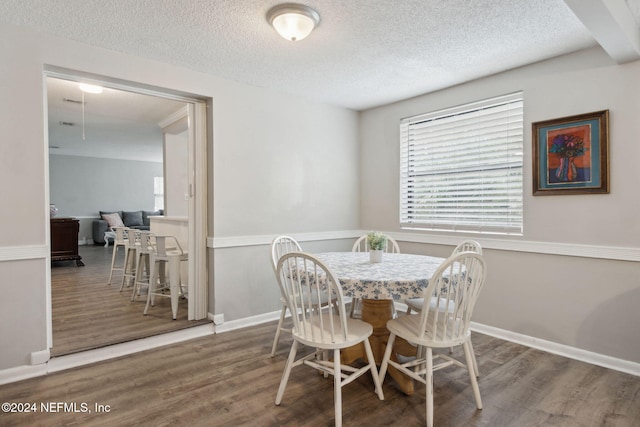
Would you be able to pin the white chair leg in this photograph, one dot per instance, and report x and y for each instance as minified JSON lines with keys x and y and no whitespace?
{"x":153,"y":278}
{"x":287,"y":372}
{"x":337,"y":387}
{"x":174,"y":284}
{"x":386,"y":357}
{"x":475,"y":362}
{"x":278,"y":330}
{"x":429,"y":387}
{"x":420,"y":352}
{"x":472,"y":374}
{"x":137,"y":278}
{"x":374,"y":369}
{"x":113,"y":261}
{"x":128,"y":268}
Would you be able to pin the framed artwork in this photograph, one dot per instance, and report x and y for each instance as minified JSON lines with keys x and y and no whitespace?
{"x":570,"y":155}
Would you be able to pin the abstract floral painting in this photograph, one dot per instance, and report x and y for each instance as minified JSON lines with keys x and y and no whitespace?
{"x":570,"y":155}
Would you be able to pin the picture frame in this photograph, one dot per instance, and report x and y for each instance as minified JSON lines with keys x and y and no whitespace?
{"x":571,"y":154}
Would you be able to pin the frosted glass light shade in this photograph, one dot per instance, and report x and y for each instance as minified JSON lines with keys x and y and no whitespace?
{"x":85,"y":87}
{"x":293,"y":21}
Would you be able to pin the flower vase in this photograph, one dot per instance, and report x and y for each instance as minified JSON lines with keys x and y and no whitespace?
{"x":567,"y":170}
{"x":375,"y":255}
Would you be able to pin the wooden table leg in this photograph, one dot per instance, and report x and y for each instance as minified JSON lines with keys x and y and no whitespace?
{"x":377,"y":313}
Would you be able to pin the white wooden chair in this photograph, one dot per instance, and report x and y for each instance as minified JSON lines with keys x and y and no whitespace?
{"x":301,"y":275}
{"x":415,"y":304}
{"x":143,"y":262}
{"x":362,"y":245}
{"x":171,"y":257}
{"x":456,"y":283}
{"x":119,"y":241}
{"x":280,"y":246}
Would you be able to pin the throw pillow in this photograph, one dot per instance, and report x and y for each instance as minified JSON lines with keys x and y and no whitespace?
{"x":132,"y":219}
{"x":113,"y":220}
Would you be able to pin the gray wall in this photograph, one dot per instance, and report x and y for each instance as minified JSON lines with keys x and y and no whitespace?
{"x":278,"y":163}
{"x":83,"y":186}
{"x":534,"y":288}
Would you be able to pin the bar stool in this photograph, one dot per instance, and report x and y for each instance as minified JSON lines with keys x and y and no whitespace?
{"x":118,"y":242}
{"x":161,"y":256}
{"x":143,"y":271}
{"x":131,"y":246}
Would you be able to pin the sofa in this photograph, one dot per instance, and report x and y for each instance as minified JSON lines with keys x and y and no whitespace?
{"x":132,"y":219}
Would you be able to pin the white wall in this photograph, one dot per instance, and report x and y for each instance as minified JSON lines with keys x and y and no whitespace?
{"x":176,"y":174}
{"x":280,"y":164}
{"x":581,"y":302}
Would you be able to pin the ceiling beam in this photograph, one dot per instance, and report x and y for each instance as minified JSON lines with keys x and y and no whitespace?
{"x":612,"y":24}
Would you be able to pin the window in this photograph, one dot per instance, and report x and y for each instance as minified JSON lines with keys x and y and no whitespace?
{"x":158,"y":193}
{"x":461,"y":168}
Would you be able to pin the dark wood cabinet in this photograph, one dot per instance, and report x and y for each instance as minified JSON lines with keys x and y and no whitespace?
{"x":64,"y":240}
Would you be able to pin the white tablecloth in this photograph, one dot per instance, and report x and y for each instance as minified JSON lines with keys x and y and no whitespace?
{"x":398,"y":276}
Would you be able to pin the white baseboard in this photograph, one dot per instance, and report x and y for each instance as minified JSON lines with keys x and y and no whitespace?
{"x":56,"y":364}
{"x":20,"y":373}
{"x":248,"y":321}
{"x":40,"y":357}
{"x":609,"y":362}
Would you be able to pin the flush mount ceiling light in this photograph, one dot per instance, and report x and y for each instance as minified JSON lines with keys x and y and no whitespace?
{"x":293,"y":21}
{"x":85,"y":87}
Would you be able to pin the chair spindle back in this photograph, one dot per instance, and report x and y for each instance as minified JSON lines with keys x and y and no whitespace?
{"x":304,"y":280}
{"x":451,"y":296}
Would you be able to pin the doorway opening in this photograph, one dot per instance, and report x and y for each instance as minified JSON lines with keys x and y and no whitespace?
{"x":118,"y":139}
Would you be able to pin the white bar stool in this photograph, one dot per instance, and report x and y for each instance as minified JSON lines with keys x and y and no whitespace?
{"x":158,"y":259}
{"x":118,"y":242}
{"x":131,"y":246}
{"x":144,"y":250}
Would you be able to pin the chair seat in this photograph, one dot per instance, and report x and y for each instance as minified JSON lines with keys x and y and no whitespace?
{"x":416,"y":304}
{"x":358,"y":331}
{"x":408,"y":327}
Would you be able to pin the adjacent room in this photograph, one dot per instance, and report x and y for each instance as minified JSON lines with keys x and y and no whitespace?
{"x":427,"y":202}
{"x":107,"y":150}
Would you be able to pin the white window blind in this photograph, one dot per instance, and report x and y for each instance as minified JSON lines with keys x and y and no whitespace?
{"x":461,"y":168}
{"x":158,"y":193}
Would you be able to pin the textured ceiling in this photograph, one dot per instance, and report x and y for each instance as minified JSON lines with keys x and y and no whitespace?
{"x":114,"y":124}
{"x":364,"y":53}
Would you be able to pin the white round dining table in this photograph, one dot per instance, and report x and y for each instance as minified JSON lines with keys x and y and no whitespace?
{"x":397,"y":277}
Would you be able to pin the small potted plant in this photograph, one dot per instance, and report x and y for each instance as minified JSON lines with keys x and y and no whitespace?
{"x":377,"y":244}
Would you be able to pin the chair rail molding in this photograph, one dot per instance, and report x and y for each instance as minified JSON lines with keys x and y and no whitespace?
{"x":18,"y":253}
{"x":527,"y":246}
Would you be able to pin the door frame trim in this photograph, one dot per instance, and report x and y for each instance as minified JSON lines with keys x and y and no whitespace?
{"x":197,"y":108}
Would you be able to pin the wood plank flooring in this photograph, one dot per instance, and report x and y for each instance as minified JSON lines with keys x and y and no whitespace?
{"x":229,"y":379}
{"x":87,"y":313}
